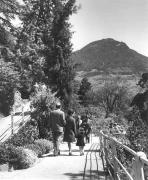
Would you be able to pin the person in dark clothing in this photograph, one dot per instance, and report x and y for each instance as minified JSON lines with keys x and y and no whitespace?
{"x":57,"y":123}
{"x":80,"y":140}
{"x":78,"y":122}
{"x":87,"y":128}
{"x":70,"y":130}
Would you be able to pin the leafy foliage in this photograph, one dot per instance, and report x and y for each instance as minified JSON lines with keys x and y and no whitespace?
{"x":43,"y":102}
{"x":8,"y":9}
{"x":137,"y":132}
{"x":41,"y":46}
{"x":26,"y":135}
{"x":40,"y":147}
{"x":10,"y":79}
{"x":85,"y":88}
{"x":44,"y":144}
{"x":35,"y":148}
{"x":25,"y":158}
{"x":59,"y":69}
{"x":29,"y":61}
{"x":113,"y":98}
{"x":19,"y":157}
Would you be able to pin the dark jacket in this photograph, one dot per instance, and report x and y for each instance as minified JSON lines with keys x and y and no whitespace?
{"x":87,"y":128}
{"x":57,"y":120}
{"x":80,"y":137}
{"x":70,"y":130}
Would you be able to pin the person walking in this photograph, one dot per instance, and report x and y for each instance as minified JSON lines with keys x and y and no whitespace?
{"x":78,"y":122}
{"x":80,"y":140}
{"x":87,"y":127}
{"x":70,"y":130}
{"x":57,"y":123}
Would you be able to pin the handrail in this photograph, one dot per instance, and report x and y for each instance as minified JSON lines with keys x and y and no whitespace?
{"x":124,"y":169}
{"x":11,"y":127}
{"x":137,"y":162}
{"x":119,"y":143}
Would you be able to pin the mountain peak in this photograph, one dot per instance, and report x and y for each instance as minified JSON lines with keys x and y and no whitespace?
{"x":109,"y":55}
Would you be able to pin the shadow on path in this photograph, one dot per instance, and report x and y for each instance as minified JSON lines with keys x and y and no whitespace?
{"x":99,"y":175}
{"x":52,"y":155}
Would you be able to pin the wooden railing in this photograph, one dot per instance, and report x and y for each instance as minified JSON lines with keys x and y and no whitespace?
{"x":14,"y":126}
{"x":108,"y":149}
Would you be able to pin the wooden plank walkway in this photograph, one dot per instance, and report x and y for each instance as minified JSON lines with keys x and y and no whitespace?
{"x":65,"y":167}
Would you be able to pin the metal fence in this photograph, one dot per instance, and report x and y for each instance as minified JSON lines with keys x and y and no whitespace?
{"x":108,"y":149}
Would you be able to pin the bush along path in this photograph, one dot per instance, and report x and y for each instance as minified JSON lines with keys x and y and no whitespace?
{"x":24,"y":148}
{"x":64,"y":167}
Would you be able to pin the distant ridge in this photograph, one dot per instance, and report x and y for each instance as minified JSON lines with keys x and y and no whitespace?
{"x":110,"y":56}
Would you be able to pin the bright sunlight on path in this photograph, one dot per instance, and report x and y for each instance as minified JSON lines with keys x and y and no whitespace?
{"x":64,"y":167}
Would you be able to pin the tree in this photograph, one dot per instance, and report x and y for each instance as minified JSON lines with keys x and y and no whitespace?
{"x":59,"y":68}
{"x":137,"y":132}
{"x":36,"y":18}
{"x":9,"y":80}
{"x":113,"y":98}
{"x":29,"y":62}
{"x":47,"y":23}
{"x":85,"y":87}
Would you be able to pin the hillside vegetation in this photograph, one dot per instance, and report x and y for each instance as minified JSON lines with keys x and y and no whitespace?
{"x":110,"y":56}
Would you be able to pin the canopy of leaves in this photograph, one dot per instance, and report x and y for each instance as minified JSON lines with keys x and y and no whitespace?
{"x":43,"y":102}
{"x":9,"y":79}
{"x":85,"y":87}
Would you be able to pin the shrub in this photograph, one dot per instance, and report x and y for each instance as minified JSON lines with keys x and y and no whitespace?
{"x":25,"y":158}
{"x":44,"y":144}
{"x":12,"y":153}
{"x":137,"y":132}
{"x":19,"y":157}
{"x":3,"y":154}
{"x":26,"y":135}
{"x":40,"y":147}
{"x":42,"y":102}
{"x":35,"y":148}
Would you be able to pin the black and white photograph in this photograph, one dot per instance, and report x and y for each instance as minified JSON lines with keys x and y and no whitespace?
{"x":73,"y":89}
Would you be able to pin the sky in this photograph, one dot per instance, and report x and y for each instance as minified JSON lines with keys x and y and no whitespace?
{"x":122,"y":20}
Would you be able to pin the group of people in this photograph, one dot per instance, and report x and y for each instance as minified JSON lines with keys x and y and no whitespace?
{"x":74,"y":128}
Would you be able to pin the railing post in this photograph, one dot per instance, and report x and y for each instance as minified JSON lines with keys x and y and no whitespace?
{"x":12,"y":124}
{"x":138,"y":173}
{"x":106,"y":152}
{"x":115,"y":164}
{"x":22,"y":114}
{"x":101,"y":145}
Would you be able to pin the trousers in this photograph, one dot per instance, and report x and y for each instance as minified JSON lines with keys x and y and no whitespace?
{"x":57,"y":137}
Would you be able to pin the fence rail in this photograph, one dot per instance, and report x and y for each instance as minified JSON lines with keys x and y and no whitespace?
{"x":110,"y":144}
{"x":14,"y":126}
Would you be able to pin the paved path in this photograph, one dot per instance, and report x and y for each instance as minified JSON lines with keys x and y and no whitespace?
{"x":64,"y":167}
